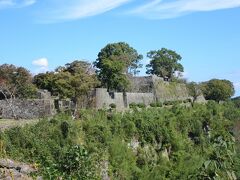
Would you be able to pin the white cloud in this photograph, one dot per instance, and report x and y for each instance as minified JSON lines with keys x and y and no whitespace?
{"x":159,"y":9}
{"x":16,"y":3}
{"x":76,"y":9}
{"x":42,"y":62}
{"x":40,"y":70}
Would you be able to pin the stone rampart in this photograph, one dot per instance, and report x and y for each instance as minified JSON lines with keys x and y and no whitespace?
{"x":146,"y":89}
{"x":145,"y":98}
{"x":122,"y":100}
{"x":105,"y":98}
{"x":26,"y":109}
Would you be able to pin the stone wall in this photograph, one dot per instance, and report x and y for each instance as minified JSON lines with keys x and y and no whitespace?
{"x":104,"y":99}
{"x":146,"y":89}
{"x":145,"y":98}
{"x":10,"y":169}
{"x":122,"y":100}
{"x":27,"y":109}
{"x":143,"y":84}
{"x":165,"y":91}
{"x":162,"y":90}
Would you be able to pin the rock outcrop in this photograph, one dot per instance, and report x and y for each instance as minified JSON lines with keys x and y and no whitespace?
{"x":12,"y":170}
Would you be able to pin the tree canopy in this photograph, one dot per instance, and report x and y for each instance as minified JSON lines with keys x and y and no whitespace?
{"x":194,"y":90}
{"x":164,"y":63}
{"x":114,"y":62}
{"x":70,"y":81}
{"x":16,"y":82}
{"x":218,"y":90}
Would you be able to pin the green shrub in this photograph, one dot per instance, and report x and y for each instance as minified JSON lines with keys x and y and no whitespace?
{"x":141,"y":105}
{"x":76,"y":163}
{"x":168,"y":103}
{"x":164,"y":141}
{"x":133,"y":105}
{"x":153,"y":104}
{"x":187,"y":100}
{"x":65,"y":129}
{"x":159,"y":104}
{"x":156,"y":104}
{"x":113,"y":106}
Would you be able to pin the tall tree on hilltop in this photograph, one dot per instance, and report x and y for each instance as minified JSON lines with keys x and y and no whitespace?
{"x":114,"y":62}
{"x":164,"y":63}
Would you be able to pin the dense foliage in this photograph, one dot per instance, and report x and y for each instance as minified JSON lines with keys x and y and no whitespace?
{"x":114,"y":62}
{"x":236,"y":101}
{"x":218,"y":90}
{"x":15,"y":82}
{"x":164,"y":63}
{"x":70,"y":81}
{"x":145,"y":143}
{"x":74,"y":80}
{"x":194,"y":90}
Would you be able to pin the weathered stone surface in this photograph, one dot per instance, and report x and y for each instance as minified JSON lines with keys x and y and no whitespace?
{"x":43,"y":94}
{"x":144,"y":90}
{"x":27,"y":109}
{"x":10,"y":174}
{"x":167,"y":91}
{"x":21,"y":167}
{"x":104,"y":98}
{"x":104,"y":170}
{"x":143,"y":84}
{"x":10,"y":169}
{"x":134,"y":144}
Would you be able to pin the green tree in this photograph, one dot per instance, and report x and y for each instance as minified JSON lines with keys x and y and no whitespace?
{"x":164,"y":63}
{"x":44,"y":81}
{"x":236,"y":101}
{"x":74,"y":81}
{"x":218,"y":90}
{"x":114,"y":62}
{"x":16,"y":82}
{"x":194,"y":90}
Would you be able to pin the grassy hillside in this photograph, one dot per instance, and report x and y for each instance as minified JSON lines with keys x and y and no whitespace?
{"x":154,"y":143}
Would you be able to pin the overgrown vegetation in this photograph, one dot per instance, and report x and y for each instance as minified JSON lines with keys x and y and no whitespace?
{"x":148,"y":143}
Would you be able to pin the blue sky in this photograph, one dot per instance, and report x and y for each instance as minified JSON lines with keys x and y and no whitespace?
{"x":43,"y":34}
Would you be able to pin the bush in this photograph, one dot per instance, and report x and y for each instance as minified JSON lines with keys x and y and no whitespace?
{"x":65,"y":129}
{"x":168,"y":103}
{"x":132,"y":105}
{"x":113,"y":106}
{"x":159,"y":104}
{"x":153,"y":104}
{"x":141,"y":105}
{"x":76,"y":163}
{"x":156,"y":104}
{"x":153,"y":143}
{"x":176,"y":102}
{"x":187,"y":100}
